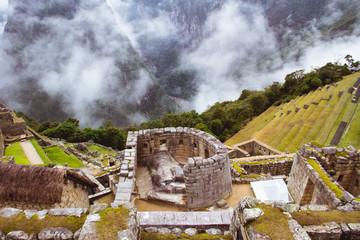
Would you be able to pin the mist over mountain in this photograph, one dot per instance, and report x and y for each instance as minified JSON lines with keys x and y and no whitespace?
{"x":122,"y":59}
{"x":208,"y":51}
{"x":66,"y":58}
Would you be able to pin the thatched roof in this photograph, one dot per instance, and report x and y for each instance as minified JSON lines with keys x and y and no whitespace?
{"x":35,"y":184}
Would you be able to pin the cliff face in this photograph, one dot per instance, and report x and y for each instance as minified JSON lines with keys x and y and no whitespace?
{"x":69,"y":58}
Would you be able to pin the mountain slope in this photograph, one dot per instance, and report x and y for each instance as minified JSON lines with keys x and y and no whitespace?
{"x":312,"y":117}
{"x":69,"y":58}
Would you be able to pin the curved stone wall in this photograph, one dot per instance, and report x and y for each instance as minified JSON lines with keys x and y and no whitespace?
{"x":205,"y":160}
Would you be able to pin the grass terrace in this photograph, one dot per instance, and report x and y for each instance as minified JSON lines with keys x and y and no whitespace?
{"x":40,"y":151}
{"x":58,"y":156}
{"x":319,"y":122}
{"x":17,"y":152}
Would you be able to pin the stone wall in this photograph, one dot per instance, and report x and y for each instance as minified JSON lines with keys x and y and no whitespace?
{"x":11,"y":125}
{"x":307,"y":187}
{"x":2,"y":146}
{"x":253,"y":147}
{"x":73,"y":196}
{"x":182,"y":143}
{"x":275,"y":168}
{"x":205,"y":159}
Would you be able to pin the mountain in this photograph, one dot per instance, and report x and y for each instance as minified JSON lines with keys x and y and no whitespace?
{"x":248,"y":36}
{"x":69,"y":58}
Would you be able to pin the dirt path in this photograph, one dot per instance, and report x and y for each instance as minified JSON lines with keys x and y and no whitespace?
{"x":31,"y":153}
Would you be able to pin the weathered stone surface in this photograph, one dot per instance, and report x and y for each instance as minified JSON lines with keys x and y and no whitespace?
{"x":298,"y":231}
{"x":176,"y":231}
{"x":252,"y":214}
{"x":291,"y":208}
{"x":2,"y":235}
{"x":329,"y":150}
{"x":164,"y":231}
{"x":346,"y":208}
{"x":29,"y":213}
{"x":329,"y":231}
{"x":281,"y":205}
{"x":190,"y":231}
{"x":314,"y":207}
{"x":77,"y":234}
{"x":93,"y":218}
{"x":213,"y":231}
{"x":354,"y":227}
{"x":88,"y":230}
{"x":55,"y":233}
{"x":42,"y":214}
{"x":356,"y":205}
{"x":72,"y":212}
{"x":126,"y":235}
{"x":17,"y":235}
{"x":221,"y":203}
{"x":151,"y":229}
{"x":347,"y":197}
{"x":97,"y":208}
{"x":255,"y":235}
{"x":9,"y":212}
{"x":248,"y":202}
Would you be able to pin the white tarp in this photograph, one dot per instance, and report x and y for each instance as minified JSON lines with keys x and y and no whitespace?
{"x":271,"y":190}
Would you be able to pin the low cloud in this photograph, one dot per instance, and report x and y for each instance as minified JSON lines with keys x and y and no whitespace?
{"x":241,"y":52}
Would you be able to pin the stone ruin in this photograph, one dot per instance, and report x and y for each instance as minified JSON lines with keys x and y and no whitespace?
{"x":326,"y":176}
{"x":184,"y":162}
{"x":252,"y":147}
{"x":10,"y":125}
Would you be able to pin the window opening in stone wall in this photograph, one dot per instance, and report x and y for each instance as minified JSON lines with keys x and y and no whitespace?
{"x":181,"y":141}
{"x":194,"y":145}
{"x":162,"y":142}
{"x":145,"y":145}
{"x":206,"y":153}
{"x":340,"y":178}
{"x":150,"y":149}
{"x":357,"y":182}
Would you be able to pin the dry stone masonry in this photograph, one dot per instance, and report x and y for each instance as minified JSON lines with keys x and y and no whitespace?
{"x":328,"y":176}
{"x":204,"y":159}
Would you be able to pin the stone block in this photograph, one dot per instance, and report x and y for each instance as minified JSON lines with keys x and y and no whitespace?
{"x":55,"y":233}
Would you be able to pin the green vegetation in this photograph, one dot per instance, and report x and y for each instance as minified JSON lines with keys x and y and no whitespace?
{"x":40,"y":151}
{"x":57,"y":156}
{"x":34,"y":225}
{"x":16,"y":151}
{"x":263,"y":162}
{"x":237,"y":167}
{"x":326,"y":179}
{"x":317,"y":218}
{"x":288,"y":132}
{"x":112,"y":221}
{"x":225,"y":119}
{"x":252,"y":176}
{"x":202,"y":236}
{"x":273,"y":223}
{"x":101,"y":150}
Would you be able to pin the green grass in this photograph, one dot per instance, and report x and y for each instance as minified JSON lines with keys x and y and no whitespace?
{"x":34,"y":225}
{"x":335,"y":189}
{"x":262,"y":162}
{"x":112,"y":221}
{"x":201,"y":236}
{"x":101,"y":150}
{"x":237,"y":168}
{"x":316,"y":123}
{"x":273,"y":223}
{"x":16,"y":151}
{"x":316,"y":218}
{"x":57,"y":156}
{"x":353,"y":133}
{"x":40,"y":151}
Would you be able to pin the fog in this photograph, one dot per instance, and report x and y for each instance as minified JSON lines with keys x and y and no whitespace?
{"x":241,"y":52}
{"x":77,"y":57}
